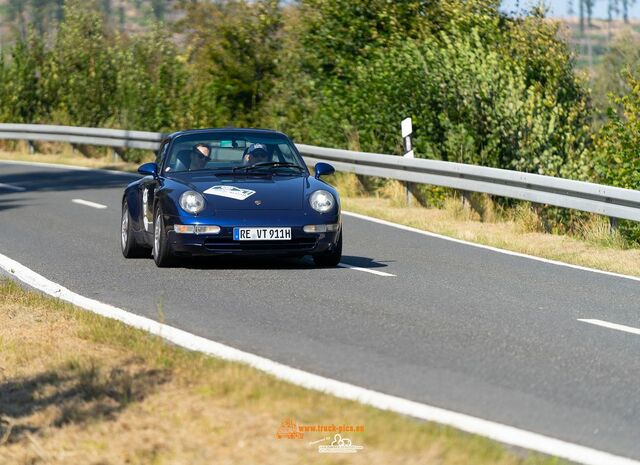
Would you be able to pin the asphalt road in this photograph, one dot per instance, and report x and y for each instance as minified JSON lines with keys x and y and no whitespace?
{"x":460,"y":327}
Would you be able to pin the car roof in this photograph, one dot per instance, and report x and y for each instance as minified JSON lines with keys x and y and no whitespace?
{"x":239,"y":131}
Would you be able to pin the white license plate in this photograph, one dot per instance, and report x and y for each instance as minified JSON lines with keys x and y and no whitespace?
{"x":261,"y":234}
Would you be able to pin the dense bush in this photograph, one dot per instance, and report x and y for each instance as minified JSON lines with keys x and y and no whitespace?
{"x":618,"y":160}
{"x":618,"y":146}
{"x":23,"y":98}
{"x":481,"y":88}
{"x":611,"y":74}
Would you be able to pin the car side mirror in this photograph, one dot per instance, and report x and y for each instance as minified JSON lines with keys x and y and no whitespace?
{"x":149,"y":169}
{"x":324,"y":169}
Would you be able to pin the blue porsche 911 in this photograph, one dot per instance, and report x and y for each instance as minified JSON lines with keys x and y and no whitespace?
{"x":231,"y":191}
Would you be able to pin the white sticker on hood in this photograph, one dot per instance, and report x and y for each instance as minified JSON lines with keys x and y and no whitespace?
{"x":231,"y":192}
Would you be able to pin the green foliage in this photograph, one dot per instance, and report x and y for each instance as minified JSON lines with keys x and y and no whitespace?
{"x":22,"y":91}
{"x":81,"y":71}
{"x":618,"y":147}
{"x":89,"y":77}
{"x":622,"y":56}
{"x":342,"y":34}
{"x":233,"y":49}
{"x":481,"y":88}
{"x":618,"y":143}
{"x":149,"y":82}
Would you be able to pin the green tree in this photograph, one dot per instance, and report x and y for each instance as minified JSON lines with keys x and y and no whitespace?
{"x":16,"y":17}
{"x":481,"y":87}
{"x":82,"y":72}
{"x":158,"y":7}
{"x":233,"y":48}
{"x":22,"y":82}
{"x":621,"y":58}
{"x":617,"y":161}
{"x":150,"y":82}
{"x":618,"y":142}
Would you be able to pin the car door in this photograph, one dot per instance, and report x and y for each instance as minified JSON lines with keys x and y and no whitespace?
{"x":148,"y":187}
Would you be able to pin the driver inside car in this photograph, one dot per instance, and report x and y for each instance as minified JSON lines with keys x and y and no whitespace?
{"x":255,"y":153}
{"x":199,"y":156}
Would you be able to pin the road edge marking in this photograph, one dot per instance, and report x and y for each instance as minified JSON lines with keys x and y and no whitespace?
{"x":609,"y":325}
{"x":487,"y":247}
{"x":492,"y":430}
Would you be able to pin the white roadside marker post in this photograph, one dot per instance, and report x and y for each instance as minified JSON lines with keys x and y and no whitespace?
{"x":407,"y":130}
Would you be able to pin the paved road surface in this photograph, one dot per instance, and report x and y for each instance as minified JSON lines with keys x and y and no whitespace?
{"x":460,"y":327}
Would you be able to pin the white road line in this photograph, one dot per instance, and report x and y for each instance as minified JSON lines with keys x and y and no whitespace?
{"x":488,"y":247}
{"x":606,"y":324}
{"x":12,"y":187}
{"x":499,"y":432}
{"x":88,"y":204}
{"x":366,"y":270}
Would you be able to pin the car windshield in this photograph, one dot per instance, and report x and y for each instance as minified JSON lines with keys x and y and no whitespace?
{"x":232,"y":152}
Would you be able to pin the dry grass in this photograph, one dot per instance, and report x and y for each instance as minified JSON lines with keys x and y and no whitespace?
{"x":78,"y":388}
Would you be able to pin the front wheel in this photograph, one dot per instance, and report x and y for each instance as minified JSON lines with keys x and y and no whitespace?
{"x":331,"y":257}
{"x":161,"y":250}
{"x":128,"y":244}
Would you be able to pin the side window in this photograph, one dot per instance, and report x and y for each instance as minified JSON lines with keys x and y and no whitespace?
{"x":161,"y":153}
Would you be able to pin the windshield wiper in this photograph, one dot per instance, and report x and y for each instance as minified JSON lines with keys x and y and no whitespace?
{"x":272,"y":164}
{"x":221,"y":171}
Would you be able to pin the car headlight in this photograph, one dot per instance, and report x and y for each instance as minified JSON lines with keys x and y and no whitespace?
{"x":322,"y":201}
{"x":192,"y":202}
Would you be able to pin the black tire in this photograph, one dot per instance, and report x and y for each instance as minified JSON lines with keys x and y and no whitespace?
{"x":161,"y":249}
{"x":331,"y":257}
{"x":128,"y":244}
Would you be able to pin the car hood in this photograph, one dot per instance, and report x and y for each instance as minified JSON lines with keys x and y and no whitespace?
{"x":251,"y":193}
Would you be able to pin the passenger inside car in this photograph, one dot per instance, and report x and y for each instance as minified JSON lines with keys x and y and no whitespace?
{"x":255,"y":153}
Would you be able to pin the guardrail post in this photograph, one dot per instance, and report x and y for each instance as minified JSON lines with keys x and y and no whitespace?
{"x":407,"y":129}
{"x":466,"y":199}
{"x":613,"y":224}
{"x":32,"y":148}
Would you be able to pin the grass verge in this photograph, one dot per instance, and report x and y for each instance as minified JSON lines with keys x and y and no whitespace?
{"x":78,"y":388}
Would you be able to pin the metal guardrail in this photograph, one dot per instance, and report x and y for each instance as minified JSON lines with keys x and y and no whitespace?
{"x":77,"y":135}
{"x":595,"y":198}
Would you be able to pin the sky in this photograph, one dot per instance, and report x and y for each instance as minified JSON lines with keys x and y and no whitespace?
{"x":561,"y":7}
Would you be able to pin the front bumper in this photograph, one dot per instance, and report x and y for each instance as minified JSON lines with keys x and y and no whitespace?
{"x":301,"y":243}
